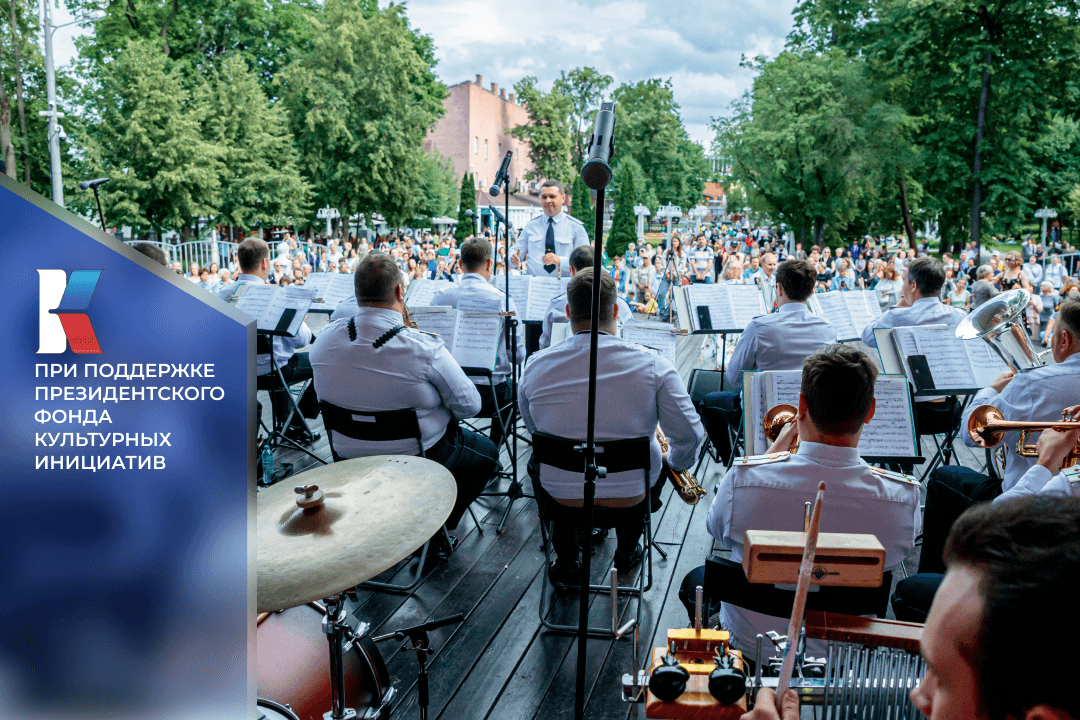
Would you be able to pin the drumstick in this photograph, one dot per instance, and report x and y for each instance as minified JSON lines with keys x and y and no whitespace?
{"x":799,"y":608}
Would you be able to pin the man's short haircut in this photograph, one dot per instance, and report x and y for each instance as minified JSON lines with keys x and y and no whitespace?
{"x":798,"y":278}
{"x":152,"y":251}
{"x":579,"y":296}
{"x":581,"y":257}
{"x":984,"y":271}
{"x":927,"y":274}
{"x":474,"y":253}
{"x":838,"y":383}
{"x":251,"y":253}
{"x":376,"y":279}
{"x":554,"y":184}
{"x":1026,"y":556}
{"x":1068,"y":317}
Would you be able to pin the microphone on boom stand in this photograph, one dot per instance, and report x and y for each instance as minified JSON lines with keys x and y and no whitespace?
{"x":94,"y":185}
{"x":596,"y":173}
{"x":500,"y":178}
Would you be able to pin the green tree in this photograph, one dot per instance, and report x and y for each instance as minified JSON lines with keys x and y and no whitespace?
{"x":439,"y":193}
{"x":581,"y":207}
{"x":1072,"y":202}
{"x":260,"y":180}
{"x":649,"y":129}
{"x":548,"y":131}
{"x":585,"y":88}
{"x":466,"y":226}
{"x":361,"y":102}
{"x":623,"y":224}
{"x":163,"y":170}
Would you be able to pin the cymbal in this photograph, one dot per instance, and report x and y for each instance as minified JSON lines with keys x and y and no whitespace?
{"x":365,"y":516}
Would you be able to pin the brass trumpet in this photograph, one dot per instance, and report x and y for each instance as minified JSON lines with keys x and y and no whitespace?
{"x":685,"y":483}
{"x":776,"y":418}
{"x":987,"y":427}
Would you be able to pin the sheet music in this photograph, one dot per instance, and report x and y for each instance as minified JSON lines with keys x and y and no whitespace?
{"x":254,"y":300}
{"x":486,"y":304}
{"x":320,"y":282}
{"x":476,"y":339}
{"x":756,"y":412}
{"x":296,"y":297}
{"x":423,"y":290}
{"x":267,"y":303}
{"x":904,"y":339}
{"x":863,"y":307}
{"x":946,"y":356}
{"x":834,"y":310}
{"x":985,"y":363}
{"x":716,"y":298}
{"x":519,"y":293}
{"x":747,"y":303}
{"x":542,"y":290}
{"x":441,"y":321}
{"x":661,"y":339}
{"x":559,"y":332}
{"x":891,"y":432}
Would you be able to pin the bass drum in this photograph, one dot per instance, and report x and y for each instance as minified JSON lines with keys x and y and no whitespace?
{"x":270,"y":710}
{"x":293,"y":665}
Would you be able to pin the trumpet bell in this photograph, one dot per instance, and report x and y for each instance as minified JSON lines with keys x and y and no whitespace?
{"x":999,"y":321}
{"x":977,"y":426}
{"x":776,"y":418}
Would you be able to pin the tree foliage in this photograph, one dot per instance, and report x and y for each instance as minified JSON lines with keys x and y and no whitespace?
{"x":466,"y":226}
{"x":581,"y":207}
{"x":547,"y":132}
{"x":584,"y":87}
{"x":624,"y":223}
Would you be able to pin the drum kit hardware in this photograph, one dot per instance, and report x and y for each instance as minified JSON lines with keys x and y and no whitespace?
{"x":347,"y":523}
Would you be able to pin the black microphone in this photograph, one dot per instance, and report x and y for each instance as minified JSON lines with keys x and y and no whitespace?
{"x":91,"y":184}
{"x":500,"y":217}
{"x":596,"y":172}
{"x":500,"y":178}
{"x":470,"y":214}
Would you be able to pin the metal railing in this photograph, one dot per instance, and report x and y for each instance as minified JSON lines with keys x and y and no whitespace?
{"x":1071,"y":261}
{"x":203,"y":252}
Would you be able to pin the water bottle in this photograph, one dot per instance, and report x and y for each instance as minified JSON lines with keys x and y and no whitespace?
{"x":267,"y":465}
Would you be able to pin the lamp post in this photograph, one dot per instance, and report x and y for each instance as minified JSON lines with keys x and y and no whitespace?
{"x":642,"y":212}
{"x":50,"y":93}
{"x":698,"y":213}
{"x":1045,"y":214}
{"x":668,"y":213}
{"x":328,"y":214}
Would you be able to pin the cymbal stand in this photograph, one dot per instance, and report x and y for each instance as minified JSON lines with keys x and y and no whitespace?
{"x":418,"y":636}
{"x":337,"y":631}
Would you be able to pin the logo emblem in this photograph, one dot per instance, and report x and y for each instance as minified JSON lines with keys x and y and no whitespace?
{"x":61,"y":321}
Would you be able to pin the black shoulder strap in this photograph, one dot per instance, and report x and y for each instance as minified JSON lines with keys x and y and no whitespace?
{"x":387,"y":336}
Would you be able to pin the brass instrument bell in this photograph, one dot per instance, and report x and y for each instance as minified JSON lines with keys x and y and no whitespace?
{"x":776,"y":418}
{"x":999,"y":322}
{"x":988,"y":427}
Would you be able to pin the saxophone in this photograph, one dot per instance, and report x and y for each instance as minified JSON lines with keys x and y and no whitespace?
{"x":684,"y":481}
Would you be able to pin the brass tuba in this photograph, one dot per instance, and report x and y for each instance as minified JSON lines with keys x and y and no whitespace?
{"x":685,"y":483}
{"x":999,"y":321}
{"x":776,"y":418}
{"x":988,"y":426}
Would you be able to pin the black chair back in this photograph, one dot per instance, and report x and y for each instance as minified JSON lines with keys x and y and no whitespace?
{"x":613,"y":455}
{"x":371,"y":426}
{"x":725,"y":581}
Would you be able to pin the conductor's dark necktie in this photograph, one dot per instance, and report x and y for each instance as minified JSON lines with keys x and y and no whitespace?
{"x":549,"y":243}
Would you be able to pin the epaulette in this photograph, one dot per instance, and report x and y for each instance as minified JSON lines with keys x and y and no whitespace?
{"x":1072,"y":474}
{"x":897,"y":476}
{"x":575,"y":219}
{"x":763,"y":459}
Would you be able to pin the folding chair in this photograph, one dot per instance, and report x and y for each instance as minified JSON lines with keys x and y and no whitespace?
{"x":615,"y":456}
{"x":381,"y":426}
{"x":946,"y":421}
{"x":270,"y":382}
{"x":509,"y":442}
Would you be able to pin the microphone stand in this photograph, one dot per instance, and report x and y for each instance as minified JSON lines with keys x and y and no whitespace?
{"x":101,"y":215}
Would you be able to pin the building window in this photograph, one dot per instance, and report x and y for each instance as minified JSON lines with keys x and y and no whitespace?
{"x":485,"y":149}
{"x":475,"y":145}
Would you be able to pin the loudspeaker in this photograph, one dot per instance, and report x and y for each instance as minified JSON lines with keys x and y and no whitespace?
{"x":702,"y":382}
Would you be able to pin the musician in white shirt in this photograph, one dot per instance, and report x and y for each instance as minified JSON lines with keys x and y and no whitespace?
{"x":778,"y":341}
{"x":371,"y":361}
{"x":580,"y":259}
{"x":920,"y":303}
{"x":637,"y":389}
{"x":476,"y":261}
{"x":1037,"y":395}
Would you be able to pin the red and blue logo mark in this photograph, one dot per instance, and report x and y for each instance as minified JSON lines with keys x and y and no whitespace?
{"x":61,"y":320}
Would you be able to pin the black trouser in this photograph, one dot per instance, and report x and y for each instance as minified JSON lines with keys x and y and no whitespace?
{"x":628,"y":522}
{"x":471,"y":459}
{"x":296,"y":370}
{"x":720,"y":410}
{"x":914,"y":595}
{"x":950,"y":492}
{"x":488,"y":406}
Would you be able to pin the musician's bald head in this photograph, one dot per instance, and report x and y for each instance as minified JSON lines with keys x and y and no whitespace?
{"x":376,"y":281}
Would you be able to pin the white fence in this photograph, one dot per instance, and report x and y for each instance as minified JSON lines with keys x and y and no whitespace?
{"x":203,"y":252}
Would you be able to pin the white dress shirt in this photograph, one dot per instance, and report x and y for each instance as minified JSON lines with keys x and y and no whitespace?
{"x":412,"y":370}
{"x":1038,"y":395}
{"x":924,"y":311}
{"x":635,"y":390}
{"x":556,"y":313}
{"x":768,"y":287}
{"x":284,"y":347}
{"x":1034,"y":272}
{"x":473,"y":285}
{"x":345,"y":309}
{"x":779,"y":341}
{"x":1038,"y":481}
{"x":531,"y":243}
{"x":771,"y":496}
{"x":1055,"y":274}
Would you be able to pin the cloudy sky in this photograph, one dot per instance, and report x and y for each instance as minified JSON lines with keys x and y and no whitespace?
{"x":696,"y":43}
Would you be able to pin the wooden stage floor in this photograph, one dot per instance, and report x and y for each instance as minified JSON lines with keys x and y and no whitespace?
{"x":498,"y":664}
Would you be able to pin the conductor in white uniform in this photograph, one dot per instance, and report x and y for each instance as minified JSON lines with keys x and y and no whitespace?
{"x":636,"y":389}
{"x":769,"y":493}
{"x":372,"y":362}
{"x":545,"y":243}
{"x":580,"y":258}
{"x":474,"y":291}
{"x":778,"y":341}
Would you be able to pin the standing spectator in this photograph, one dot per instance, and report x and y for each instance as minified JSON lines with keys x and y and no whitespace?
{"x":679,"y":257}
{"x":984,"y":288}
{"x":1012,"y":277}
{"x":702,"y":263}
{"x":888,"y":286}
{"x":959,"y":296}
{"x":1055,"y":272}
{"x":1033,"y":269}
